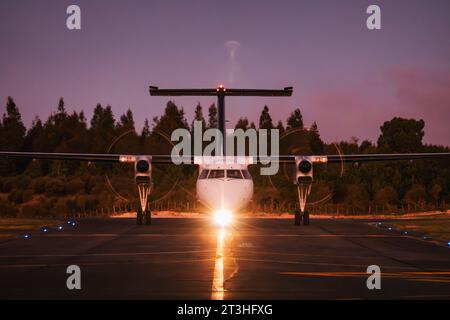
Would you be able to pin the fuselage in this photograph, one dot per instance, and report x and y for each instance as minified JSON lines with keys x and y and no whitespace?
{"x":224,"y":186}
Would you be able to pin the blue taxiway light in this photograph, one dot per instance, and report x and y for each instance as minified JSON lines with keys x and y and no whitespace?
{"x":389,"y":228}
{"x":406,"y":232}
{"x":60,"y":228}
{"x":448,"y":243}
{"x":71,"y":222}
{"x":45,"y":229}
{"x":26,"y":236}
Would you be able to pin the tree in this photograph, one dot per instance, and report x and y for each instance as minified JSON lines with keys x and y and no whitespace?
{"x":12,"y":137}
{"x":13,"y":130}
{"x":33,"y":133}
{"x":295,"y":120}
{"x":401,"y":135}
{"x":76,"y":134}
{"x":435,"y":192}
{"x":296,"y":140}
{"x":55,"y":131}
{"x":145,"y":133}
{"x":198,"y":116}
{"x":59,"y":120}
{"x":386,"y":196}
{"x":356,"y":196}
{"x":415,"y":195}
{"x":315,"y":142}
{"x":61,"y":106}
{"x":212,"y":116}
{"x":102,"y":130}
{"x":280,"y":128}
{"x":242,"y":124}
{"x":160,"y":143}
{"x":144,"y":138}
{"x":265,"y":120}
{"x":367,"y":147}
{"x":126,"y":122}
{"x":128,"y":140}
{"x":163,"y":127}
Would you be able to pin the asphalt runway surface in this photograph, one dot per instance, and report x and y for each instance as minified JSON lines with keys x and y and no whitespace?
{"x":182,"y":258}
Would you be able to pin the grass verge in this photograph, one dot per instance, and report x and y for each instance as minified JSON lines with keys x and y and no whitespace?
{"x":437,"y":227}
{"x":15,"y":224}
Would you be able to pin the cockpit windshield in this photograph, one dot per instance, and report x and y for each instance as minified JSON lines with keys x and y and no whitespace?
{"x":220,"y":174}
{"x":216,"y":174}
{"x":246,"y":175}
{"x":234,"y":174}
{"x":203,"y":174}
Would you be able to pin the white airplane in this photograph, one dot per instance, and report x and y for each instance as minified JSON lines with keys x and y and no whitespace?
{"x":222,"y":186}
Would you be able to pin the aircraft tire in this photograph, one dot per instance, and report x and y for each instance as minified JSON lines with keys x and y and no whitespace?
{"x":298,"y":218}
{"x":139,"y":217}
{"x":148,"y":217}
{"x":306,"y":218}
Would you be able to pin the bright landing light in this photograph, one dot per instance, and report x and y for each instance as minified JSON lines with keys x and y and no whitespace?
{"x":223,"y":217}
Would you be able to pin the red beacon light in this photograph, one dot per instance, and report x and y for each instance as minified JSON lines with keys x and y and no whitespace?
{"x":220,"y":87}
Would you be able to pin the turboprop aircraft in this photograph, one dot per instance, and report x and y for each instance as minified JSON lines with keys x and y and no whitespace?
{"x":224,"y":184}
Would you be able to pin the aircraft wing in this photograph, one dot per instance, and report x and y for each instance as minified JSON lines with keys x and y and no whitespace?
{"x":89,"y":157}
{"x":352,"y":158}
{"x":166,"y":159}
{"x":384,"y":157}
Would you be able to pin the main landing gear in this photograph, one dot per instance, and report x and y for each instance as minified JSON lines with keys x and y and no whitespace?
{"x":143,"y":215}
{"x":303,"y":191}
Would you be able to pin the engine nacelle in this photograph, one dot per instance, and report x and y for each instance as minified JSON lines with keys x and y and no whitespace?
{"x":143,"y":170}
{"x":303,"y":170}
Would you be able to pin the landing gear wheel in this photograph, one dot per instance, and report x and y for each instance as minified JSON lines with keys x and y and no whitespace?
{"x":139,"y":217}
{"x":306,"y":218}
{"x":298,"y":218}
{"x":148,"y":217}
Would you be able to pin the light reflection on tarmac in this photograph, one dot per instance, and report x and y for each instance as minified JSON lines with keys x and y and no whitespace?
{"x":218,"y":277}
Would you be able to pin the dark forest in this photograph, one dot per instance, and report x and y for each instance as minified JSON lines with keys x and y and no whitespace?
{"x":35,"y":188}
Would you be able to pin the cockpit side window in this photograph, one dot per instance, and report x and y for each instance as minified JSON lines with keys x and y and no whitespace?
{"x":216,"y":174}
{"x":246,"y":174}
{"x":234,"y":174}
{"x":203,"y":174}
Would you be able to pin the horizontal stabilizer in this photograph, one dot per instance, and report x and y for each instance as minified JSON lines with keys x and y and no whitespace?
{"x":285,"y":92}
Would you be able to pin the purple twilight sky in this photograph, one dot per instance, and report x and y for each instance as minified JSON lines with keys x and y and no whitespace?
{"x":345,"y":77}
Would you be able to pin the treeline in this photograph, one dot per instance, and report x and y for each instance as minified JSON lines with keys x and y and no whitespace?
{"x":42,"y":188}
